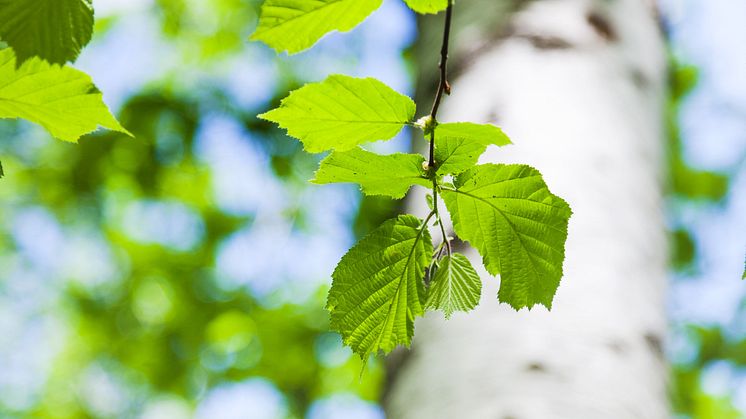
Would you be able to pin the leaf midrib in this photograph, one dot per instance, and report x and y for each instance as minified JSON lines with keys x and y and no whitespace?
{"x":515,"y":231}
{"x":327,"y":4}
{"x":401,"y":279}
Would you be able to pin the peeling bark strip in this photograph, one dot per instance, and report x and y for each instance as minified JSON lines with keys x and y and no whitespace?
{"x":594,"y":130}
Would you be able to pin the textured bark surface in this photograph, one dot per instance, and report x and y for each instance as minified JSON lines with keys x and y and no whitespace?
{"x":579,"y":86}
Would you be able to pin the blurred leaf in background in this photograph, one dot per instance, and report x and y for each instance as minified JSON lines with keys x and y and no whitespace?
{"x":182,"y":272}
{"x":707,"y":356}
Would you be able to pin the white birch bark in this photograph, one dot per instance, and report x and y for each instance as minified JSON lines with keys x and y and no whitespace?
{"x":579,"y":86}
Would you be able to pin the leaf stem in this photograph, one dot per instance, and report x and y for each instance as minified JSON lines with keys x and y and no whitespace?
{"x":427,"y":220}
{"x":445,"y":237}
{"x":446,"y":242}
{"x":443,"y":87}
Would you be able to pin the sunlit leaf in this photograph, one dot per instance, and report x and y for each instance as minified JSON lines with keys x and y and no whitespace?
{"x":390,"y":175}
{"x":61,"y":99}
{"x":517,"y":225}
{"x":342,"y":112}
{"x":459,"y":145}
{"x":455,"y":287}
{"x":295,"y":25}
{"x":377,"y":289}
{"x":427,"y":6}
{"x":481,"y":133}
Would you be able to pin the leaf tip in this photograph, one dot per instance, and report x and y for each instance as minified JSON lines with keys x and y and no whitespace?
{"x":123,"y":130}
{"x":267,"y":116}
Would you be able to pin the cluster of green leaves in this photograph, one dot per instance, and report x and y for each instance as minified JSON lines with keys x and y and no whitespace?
{"x":38,"y":38}
{"x":396,"y":272}
{"x":168,"y":319}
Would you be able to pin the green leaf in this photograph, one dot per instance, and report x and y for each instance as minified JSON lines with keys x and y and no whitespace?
{"x":454,"y":155}
{"x":295,"y":25}
{"x":427,"y":6}
{"x":430,"y":201}
{"x":459,"y":145}
{"x":390,"y":175}
{"x":481,"y":133}
{"x":2,"y":173}
{"x":455,"y":287}
{"x":342,"y":112}
{"x":55,"y":30}
{"x":377,"y":289}
{"x":61,"y":99}
{"x":517,"y":225}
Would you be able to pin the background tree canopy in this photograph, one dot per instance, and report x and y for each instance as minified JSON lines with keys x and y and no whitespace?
{"x":184,"y":272}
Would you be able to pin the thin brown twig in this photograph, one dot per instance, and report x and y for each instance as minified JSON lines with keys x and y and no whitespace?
{"x":443,"y":86}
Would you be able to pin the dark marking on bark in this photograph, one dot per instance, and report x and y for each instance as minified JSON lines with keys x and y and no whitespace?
{"x":664,"y":26}
{"x":536,"y":367}
{"x":469,"y":55}
{"x":493,"y":117}
{"x":639,"y":78}
{"x":655,"y":343}
{"x":619,"y":347}
{"x":546,"y":42}
{"x":602,"y":26}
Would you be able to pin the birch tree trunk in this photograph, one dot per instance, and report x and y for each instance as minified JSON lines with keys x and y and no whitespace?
{"x":579,"y":86}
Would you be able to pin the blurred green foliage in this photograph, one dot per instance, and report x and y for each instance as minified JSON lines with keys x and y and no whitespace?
{"x":169,"y":323}
{"x":713,"y":345}
{"x":167,"y":326}
{"x":710,"y":343}
{"x":685,"y":182}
